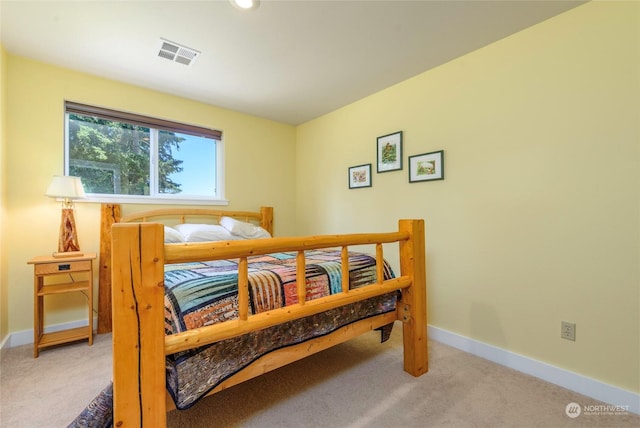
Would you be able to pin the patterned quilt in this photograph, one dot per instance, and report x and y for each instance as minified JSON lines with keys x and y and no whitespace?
{"x":205,"y":293}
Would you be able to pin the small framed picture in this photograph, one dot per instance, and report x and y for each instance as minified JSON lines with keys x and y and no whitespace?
{"x":426,"y":167}
{"x":360,"y":176}
{"x":390,"y":152}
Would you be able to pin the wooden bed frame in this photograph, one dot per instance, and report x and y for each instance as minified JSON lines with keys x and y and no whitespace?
{"x":138,"y":256}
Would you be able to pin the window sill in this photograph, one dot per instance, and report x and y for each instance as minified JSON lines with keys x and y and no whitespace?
{"x":121,"y":199}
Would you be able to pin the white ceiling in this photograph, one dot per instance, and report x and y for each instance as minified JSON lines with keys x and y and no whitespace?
{"x":289,"y":61}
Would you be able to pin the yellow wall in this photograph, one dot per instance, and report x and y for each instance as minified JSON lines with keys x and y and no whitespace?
{"x":260,"y":168}
{"x":537,"y":220}
{"x":4,"y":321}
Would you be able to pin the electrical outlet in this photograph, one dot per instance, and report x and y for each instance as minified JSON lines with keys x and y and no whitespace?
{"x":568,"y":330}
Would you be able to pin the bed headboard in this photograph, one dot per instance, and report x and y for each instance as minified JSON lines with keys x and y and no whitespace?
{"x":263,"y":218}
{"x":111,"y":213}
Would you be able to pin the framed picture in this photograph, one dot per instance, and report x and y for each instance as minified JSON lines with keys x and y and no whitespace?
{"x":360,"y":176}
{"x":426,"y":167}
{"x":390,"y":152}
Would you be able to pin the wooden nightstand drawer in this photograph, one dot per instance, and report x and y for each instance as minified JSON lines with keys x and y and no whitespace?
{"x":62,"y":267}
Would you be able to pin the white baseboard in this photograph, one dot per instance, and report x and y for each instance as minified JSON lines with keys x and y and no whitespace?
{"x":25,"y":337}
{"x":564,"y":378}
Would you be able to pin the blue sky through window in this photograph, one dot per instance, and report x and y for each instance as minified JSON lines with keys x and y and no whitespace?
{"x":198,"y":177}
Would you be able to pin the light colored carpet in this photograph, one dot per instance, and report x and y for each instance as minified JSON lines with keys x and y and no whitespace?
{"x":357,"y":384}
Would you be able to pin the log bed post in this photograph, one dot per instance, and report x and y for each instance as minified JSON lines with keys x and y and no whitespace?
{"x":138,"y":329}
{"x":266,"y":220}
{"x":413,"y":305}
{"x":109,"y":214}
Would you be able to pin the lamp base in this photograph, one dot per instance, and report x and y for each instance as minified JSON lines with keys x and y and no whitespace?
{"x":68,"y":238}
{"x":60,"y":255}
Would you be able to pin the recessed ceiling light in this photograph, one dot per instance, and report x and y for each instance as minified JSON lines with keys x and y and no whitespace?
{"x":245,"y":4}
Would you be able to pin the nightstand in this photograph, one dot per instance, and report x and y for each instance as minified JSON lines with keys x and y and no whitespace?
{"x":56,"y":275}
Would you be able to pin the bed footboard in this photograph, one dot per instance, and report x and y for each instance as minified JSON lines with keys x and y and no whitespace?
{"x":139,"y":342}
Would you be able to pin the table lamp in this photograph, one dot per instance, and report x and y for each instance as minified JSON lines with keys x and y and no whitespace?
{"x":67,"y":188}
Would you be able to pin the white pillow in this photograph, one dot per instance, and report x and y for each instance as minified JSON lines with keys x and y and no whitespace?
{"x":242,"y":229}
{"x":203,"y":232}
{"x":172,"y":236}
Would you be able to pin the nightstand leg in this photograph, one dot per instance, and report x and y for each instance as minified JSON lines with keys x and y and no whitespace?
{"x":37,"y":318}
{"x":90,"y":298}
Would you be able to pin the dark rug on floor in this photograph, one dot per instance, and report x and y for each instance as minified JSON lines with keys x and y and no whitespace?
{"x":99,"y":413}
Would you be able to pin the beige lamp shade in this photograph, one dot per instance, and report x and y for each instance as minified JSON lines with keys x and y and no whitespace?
{"x":65,"y":187}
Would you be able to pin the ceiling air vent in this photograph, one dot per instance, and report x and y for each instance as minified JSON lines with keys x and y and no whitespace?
{"x":177,"y":53}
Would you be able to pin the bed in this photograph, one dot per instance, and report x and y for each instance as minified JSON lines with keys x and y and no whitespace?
{"x":154,"y":331}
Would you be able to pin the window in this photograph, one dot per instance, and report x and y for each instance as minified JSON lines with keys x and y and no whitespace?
{"x":123,"y":156}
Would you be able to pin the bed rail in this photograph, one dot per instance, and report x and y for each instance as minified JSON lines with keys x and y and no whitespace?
{"x":139,"y":343}
{"x":195,"y":252}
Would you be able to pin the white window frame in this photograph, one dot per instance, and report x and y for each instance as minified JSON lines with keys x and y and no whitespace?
{"x":154,"y":197}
